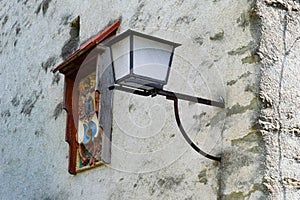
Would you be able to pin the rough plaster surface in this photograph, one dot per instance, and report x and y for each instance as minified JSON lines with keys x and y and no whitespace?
{"x":222,"y":44}
{"x":279,"y":91}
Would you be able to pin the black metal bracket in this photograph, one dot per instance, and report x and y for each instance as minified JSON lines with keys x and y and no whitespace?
{"x":175,"y":96}
{"x":187,"y":138}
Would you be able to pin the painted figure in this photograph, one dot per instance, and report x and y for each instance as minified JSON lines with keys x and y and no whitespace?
{"x":89,"y":133}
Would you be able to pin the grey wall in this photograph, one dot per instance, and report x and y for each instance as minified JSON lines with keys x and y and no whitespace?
{"x":242,"y":50}
{"x":279,"y":118}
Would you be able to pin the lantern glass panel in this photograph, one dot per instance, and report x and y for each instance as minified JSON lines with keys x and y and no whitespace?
{"x":120,"y":56}
{"x":151,"y":58}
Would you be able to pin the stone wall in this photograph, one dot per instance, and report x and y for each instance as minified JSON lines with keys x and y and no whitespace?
{"x":279,"y":118}
{"x":243,"y":51}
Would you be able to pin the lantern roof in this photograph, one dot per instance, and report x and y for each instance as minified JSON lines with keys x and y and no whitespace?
{"x":135,"y":33}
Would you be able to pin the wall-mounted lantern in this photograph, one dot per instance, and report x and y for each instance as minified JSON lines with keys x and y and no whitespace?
{"x":141,"y":65}
{"x":141,"y":61}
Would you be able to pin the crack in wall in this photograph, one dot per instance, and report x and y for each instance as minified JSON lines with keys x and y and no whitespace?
{"x":292,"y":46}
{"x":279,"y":139}
{"x":280,"y":106}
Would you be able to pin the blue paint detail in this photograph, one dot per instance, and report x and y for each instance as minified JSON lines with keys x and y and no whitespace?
{"x":93,"y":127}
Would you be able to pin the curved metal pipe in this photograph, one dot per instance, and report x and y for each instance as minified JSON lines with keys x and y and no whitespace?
{"x":187,"y":138}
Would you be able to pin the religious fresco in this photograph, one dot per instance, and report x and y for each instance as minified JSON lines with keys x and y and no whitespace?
{"x":89,"y":134}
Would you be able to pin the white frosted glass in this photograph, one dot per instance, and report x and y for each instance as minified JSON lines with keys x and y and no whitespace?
{"x":151,"y":58}
{"x":154,"y":71}
{"x":120,"y":56}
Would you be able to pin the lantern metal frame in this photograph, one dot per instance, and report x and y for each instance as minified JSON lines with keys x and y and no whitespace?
{"x":142,"y":82}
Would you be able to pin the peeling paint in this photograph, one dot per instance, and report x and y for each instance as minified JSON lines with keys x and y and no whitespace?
{"x":217,"y":36}
{"x":18,"y":29}
{"x":25,"y":2}
{"x":253,"y":136}
{"x":5,"y":19}
{"x":140,"y":19}
{"x":138,"y":12}
{"x":58,"y":110}
{"x":43,"y":6}
{"x":131,"y":108}
{"x":244,"y":75}
{"x":167,"y":183}
{"x":251,"y":59}
{"x":243,"y":21}
{"x":216,"y":119}
{"x":16,"y":100}
{"x":234,"y":196}
{"x":15,"y":43}
{"x":5,"y":114}
{"x":55,"y":78}
{"x":251,"y":88}
{"x":238,"y":109}
{"x":65,"y":20}
{"x":28,"y":104}
{"x":242,"y":195}
{"x":199,"y":117}
{"x":39,"y":132}
{"x":242,"y":50}
{"x":256,"y":150}
{"x":49,"y":63}
{"x":199,"y":40}
{"x":203,"y":177}
{"x":73,"y":42}
{"x":185,"y":20}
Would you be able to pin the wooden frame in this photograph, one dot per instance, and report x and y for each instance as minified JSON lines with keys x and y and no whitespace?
{"x":81,"y":64}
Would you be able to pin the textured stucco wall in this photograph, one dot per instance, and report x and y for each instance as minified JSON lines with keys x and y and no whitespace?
{"x":280,"y":92}
{"x":224,"y":45}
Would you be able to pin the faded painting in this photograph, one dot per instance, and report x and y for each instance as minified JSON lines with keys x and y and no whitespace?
{"x":89,"y":134}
